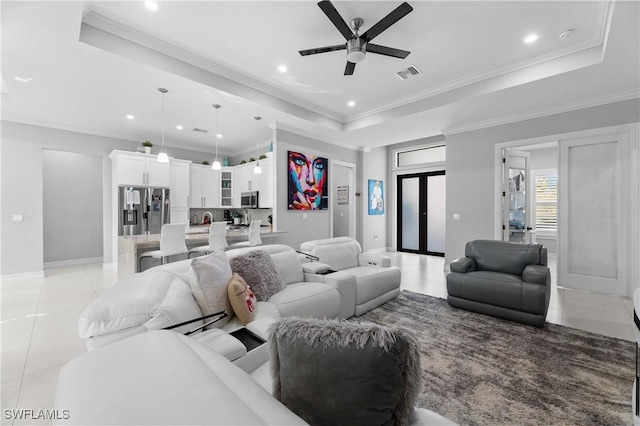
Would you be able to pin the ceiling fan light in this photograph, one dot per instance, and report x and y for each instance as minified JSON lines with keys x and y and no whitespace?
{"x":356,"y":50}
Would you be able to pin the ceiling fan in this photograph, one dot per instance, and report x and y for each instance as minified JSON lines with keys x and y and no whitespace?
{"x":358,"y":45}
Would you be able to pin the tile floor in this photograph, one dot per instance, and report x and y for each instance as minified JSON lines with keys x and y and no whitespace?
{"x":39,"y":333}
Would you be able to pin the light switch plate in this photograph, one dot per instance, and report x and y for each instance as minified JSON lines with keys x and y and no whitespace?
{"x":18,"y":218}
{"x":456,"y":216}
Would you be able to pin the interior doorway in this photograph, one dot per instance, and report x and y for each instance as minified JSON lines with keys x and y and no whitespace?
{"x":343,"y":213}
{"x":422,"y":213}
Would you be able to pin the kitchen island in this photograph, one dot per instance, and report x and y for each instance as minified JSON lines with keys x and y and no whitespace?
{"x":131,"y":246}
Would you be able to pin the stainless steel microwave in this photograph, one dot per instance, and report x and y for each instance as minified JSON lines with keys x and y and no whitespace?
{"x":249,"y":200}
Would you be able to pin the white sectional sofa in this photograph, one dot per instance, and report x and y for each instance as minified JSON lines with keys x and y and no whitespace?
{"x":376,"y":281}
{"x":161,"y":297}
{"x":162,"y":377}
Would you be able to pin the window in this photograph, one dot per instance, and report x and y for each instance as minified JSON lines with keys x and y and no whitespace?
{"x":546,"y":199}
{"x":431,"y":154}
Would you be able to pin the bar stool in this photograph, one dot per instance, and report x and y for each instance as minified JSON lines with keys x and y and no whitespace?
{"x":217,"y":240}
{"x":172,"y":241}
{"x":254,"y":236}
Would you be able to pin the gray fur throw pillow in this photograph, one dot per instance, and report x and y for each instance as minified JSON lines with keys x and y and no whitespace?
{"x":260,"y":273}
{"x":333,"y":372}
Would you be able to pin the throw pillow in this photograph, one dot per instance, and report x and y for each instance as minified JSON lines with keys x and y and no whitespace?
{"x":336,"y":372}
{"x":211,"y":274}
{"x":243,"y":300}
{"x":259,"y":271}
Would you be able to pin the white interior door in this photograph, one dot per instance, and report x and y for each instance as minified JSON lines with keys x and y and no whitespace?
{"x":594,"y":214}
{"x":517,"y":218}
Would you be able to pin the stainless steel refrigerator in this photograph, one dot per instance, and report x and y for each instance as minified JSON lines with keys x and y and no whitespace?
{"x":142,"y":210}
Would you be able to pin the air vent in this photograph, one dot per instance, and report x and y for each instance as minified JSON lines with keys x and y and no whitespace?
{"x":408,"y":72}
{"x":195,"y":129}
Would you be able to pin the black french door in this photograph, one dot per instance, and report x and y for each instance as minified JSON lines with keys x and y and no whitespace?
{"x":421,"y":213}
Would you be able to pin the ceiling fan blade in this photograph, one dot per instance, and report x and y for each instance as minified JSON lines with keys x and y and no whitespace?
{"x":349,"y":68}
{"x":333,"y":15}
{"x":322,"y":49}
{"x":393,"y":17}
{"x":387,"y":51}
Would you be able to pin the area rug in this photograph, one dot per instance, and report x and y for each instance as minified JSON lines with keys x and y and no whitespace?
{"x":480,"y":370}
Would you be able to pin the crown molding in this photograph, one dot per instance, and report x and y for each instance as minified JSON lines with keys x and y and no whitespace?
{"x":573,"y":106}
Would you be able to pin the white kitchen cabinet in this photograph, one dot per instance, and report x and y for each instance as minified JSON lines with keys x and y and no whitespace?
{"x":205,"y":186}
{"x":226,"y":187}
{"x":140,"y":170}
{"x":180,"y":187}
{"x":245,"y":180}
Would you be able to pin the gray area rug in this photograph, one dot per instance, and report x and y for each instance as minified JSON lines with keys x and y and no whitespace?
{"x":480,"y":370}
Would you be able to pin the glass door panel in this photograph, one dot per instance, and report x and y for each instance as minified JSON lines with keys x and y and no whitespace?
{"x":410,"y":208}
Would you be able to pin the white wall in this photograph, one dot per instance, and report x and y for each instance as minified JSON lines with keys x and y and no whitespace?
{"x":72,"y":206}
{"x":471,"y":165}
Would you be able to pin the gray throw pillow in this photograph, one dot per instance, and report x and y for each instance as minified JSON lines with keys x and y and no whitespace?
{"x":333,"y":372}
{"x":259,"y":271}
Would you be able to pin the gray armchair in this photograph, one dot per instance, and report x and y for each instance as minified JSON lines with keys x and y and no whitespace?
{"x":502,"y":279}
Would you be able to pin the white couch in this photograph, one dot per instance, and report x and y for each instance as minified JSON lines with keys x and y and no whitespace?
{"x":161,"y":297}
{"x":376,"y":281}
{"x":163,"y":377}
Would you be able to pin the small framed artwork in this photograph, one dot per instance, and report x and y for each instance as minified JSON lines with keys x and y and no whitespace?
{"x":343,"y":194}
{"x":376,"y":197}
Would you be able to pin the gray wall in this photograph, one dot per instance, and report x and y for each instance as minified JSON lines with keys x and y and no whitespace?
{"x":471,"y":165}
{"x":317,"y":224}
{"x":72,"y":207}
{"x":340,"y":177}
{"x":375,"y":229}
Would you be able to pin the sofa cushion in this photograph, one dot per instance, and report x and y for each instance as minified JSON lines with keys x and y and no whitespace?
{"x":341,"y":253}
{"x":259,"y":271}
{"x":150,"y":300}
{"x":493,"y":288}
{"x":373,"y":281}
{"x":317,"y":365}
{"x":307,"y":299}
{"x":209,"y":284}
{"x":163,"y":377}
{"x":243,"y":301}
{"x":501,"y":256}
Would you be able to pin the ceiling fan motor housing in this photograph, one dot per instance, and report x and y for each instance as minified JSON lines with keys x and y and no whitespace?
{"x":356,"y":49}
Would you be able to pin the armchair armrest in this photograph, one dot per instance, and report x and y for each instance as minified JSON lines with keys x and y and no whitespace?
{"x":536,"y":274}
{"x":315,"y":267}
{"x":463,"y":265}
{"x":371,"y":259}
{"x":345,"y":283}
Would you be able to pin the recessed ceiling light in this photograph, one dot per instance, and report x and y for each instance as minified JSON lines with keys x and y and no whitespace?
{"x":22,"y":79}
{"x":130,"y":117}
{"x":351,"y":103}
{"x":179,"y":127}
{"x":151,"y":5}
{"x":219,"y":135}
{"x":531,"y":38}
{"x":282,"y":68}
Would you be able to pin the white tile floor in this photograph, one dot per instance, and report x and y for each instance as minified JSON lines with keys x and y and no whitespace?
{"x":39,"y":317}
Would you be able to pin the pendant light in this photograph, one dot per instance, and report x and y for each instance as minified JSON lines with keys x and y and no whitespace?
{"x":257,"y":170}
{"x":162,"y":156}
{"x":216,"y":164}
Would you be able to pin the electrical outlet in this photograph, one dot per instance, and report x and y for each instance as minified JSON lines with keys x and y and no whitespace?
{"x":456,"y":216}
{"x":305,"y":216}
{"x":375,"y":237}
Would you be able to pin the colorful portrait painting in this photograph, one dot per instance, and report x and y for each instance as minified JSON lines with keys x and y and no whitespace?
{"x":308,"y":181}
{"x":376,"y":197}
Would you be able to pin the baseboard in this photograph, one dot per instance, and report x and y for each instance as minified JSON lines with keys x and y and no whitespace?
{"x":72,"y":262}
{"x":22,"y":276}
{"x":380,"y":250}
